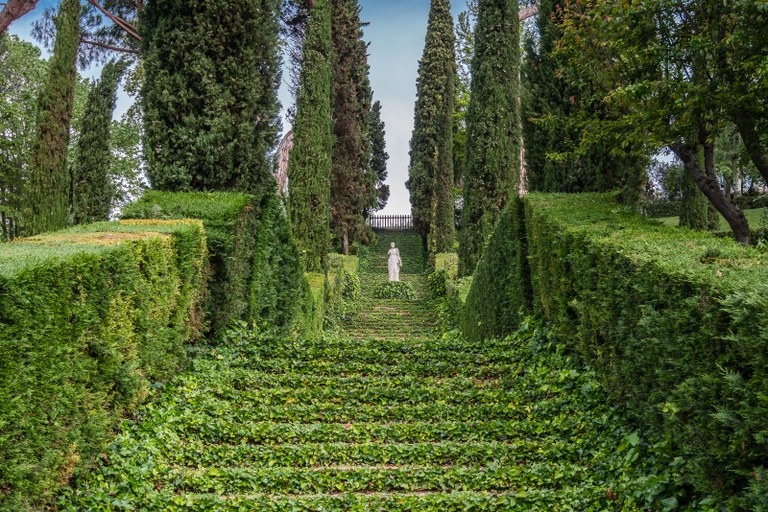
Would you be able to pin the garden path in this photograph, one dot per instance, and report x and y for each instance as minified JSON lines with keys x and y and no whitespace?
{"x":384,"y":417}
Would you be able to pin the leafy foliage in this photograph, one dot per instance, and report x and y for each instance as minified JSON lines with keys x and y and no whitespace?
{"x":91,"y":318}
{"x":344,"y":289}
{"x":493,"y":134}
{"x":46,"y":194}
{"x":560,"y":156}
{"x":394,"y":290}
{"x":210,"y":94}
{"x":430,"y":171}
{"x":309,"y":169}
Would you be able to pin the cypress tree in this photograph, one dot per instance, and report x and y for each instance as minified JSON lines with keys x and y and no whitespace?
{"x":351,"y":177}
{"x":212,"y":70}
{"x":557,"y":158}
{"x":431,"y":168}
{"x":493,"y":134}
{"x":309,"y":169}
{"x":379,"y":157}
{"x":47,"y":192}
{"x":92,"y":188}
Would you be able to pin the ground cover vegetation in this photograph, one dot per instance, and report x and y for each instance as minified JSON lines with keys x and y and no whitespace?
{"x":430,"y":172}
{"x":396,"y":419}
{"x":90,"y":320}
{"x":668,"y":317}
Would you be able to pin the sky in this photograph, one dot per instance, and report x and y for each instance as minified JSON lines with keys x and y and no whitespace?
{"x":396,"y":36}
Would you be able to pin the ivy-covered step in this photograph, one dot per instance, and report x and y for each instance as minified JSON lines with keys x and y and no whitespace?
{"x":197,"y":453}
{"x":580,"y":499}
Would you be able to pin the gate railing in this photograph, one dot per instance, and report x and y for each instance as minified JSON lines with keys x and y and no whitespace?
{"x":390,"y":222}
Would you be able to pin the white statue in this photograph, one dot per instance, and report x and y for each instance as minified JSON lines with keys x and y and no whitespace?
{"x":394,"y":263}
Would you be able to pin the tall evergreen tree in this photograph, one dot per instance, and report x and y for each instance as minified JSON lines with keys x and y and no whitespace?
{"x":431,"y":168}
{"x":493,"y":134}
{"x":351,"y":106}
{"x":557,"y":157}
{"x":93,"y":191}
{"x":47,"y":192}
{"x":210,"y":93}
{"x":379,"y":157}
{"x":309,"y":170}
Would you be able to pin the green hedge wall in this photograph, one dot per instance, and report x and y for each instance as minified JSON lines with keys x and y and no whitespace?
{"x":312,"y":306}
{"x":675,"y":321}
{"x":90,"y":318}
{"x":500,"y":295}
{"x":256,"y":272}
{"x":449,"y":291}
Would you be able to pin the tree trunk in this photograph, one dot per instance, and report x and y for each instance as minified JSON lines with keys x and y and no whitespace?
{"x":345,"y":242}
{"x":709,"y":186}
{"x":14,"y":10}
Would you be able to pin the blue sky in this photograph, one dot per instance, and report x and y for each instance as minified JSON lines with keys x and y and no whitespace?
{"x":396,"y":36}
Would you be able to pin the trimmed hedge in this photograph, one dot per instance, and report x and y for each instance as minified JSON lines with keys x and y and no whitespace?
{"x":675,"y":321}
{"x":90,"y":319}
{"x":256,"y":271}
{"x":500,"y":296}
{"x":449,"y":290}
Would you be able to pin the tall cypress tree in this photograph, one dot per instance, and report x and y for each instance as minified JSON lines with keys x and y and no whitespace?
{"x":491,"y":174}
{"x":92,"y":188}
{"x":47,"y":192}
{"x":431,"y":168}
{"x":309,"y":169}
{"x":212,"y":70}
{"x":557,"y":158}
{"x":379,"y":157}
{"x":351,"y":106}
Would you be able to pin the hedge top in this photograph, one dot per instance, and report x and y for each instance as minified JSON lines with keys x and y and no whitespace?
{"x":700,"y":257}
{"x":92,"y":239}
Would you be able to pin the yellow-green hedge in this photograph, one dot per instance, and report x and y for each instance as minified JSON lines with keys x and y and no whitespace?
{"x":90,"y":319}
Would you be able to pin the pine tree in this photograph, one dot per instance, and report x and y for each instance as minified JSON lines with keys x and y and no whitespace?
{"x":93,"y":191}
{"x":493,"y":134}
{"x":309,"y":169}
{"x":431,"y":168}
{"x":379,"y":158}
{"x":210,"y":93}
{"x":47,"y":192}
{"x":351,"y":175}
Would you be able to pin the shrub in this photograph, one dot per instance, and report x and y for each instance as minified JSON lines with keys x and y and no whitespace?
{"x":674,"y":320}
{"x":312,"y":314}
{"x":256,"y":271}
{"x":394,"y":290}
{"x":344,"y":288}
{"x":90,"y":319}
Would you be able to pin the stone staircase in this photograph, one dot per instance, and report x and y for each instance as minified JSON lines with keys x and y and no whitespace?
{"x":384,"y":319}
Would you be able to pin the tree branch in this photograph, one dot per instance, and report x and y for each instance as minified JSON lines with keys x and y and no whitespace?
{"x":13,"y":10}
{"x":109,"y":46}
{"x":530,"y":11}
{"x":117,"y":20}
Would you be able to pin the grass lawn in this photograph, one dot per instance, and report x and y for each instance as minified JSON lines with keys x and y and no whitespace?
{"x":754,"y":217}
